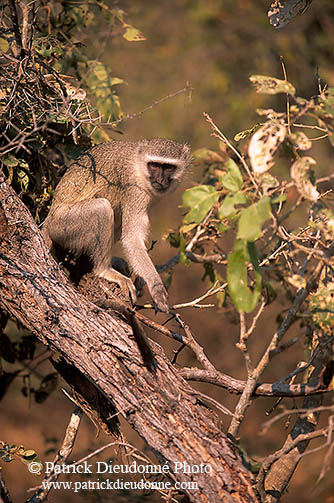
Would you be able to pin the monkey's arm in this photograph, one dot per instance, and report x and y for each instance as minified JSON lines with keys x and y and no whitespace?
{"x":134,"y":233}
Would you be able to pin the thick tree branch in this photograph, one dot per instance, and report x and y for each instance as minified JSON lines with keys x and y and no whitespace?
{"x":161,"y":408}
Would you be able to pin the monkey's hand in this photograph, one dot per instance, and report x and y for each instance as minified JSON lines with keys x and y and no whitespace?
{"x":125,"y":283}
{"x":160,"y":297}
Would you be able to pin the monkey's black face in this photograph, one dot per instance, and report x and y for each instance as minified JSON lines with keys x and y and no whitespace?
{"x":161,"y":175}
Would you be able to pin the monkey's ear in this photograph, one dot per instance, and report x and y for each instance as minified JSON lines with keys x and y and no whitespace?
{"x":186,"y":155}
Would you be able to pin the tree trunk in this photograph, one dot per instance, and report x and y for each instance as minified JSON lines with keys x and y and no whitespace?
{"x":160,"y":406}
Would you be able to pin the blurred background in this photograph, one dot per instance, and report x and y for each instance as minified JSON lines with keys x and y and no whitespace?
{"x":215,"y":45}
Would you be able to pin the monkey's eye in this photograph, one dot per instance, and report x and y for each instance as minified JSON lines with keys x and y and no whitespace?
{"x":154,"y":166}
{"x":169,"y":169}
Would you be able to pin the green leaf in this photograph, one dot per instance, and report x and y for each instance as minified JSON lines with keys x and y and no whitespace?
{"x":200,"y":199}
{"x":227,"y":208}
{"x":187,"y":228}
{"x":268,"y":181}
{"x":101,"y":83}
{"x":215,"y":278}
{"x":270,"y":85}
{"x":243,"y":297}
{"x":252,"y":219}
{"x":232,"y":180}
{"x":100,"y":80}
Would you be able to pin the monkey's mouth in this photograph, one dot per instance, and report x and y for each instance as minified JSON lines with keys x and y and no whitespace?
{"x":158,"y":187}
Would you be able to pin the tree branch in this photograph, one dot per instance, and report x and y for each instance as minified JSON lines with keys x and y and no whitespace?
{"x":161,"y":408}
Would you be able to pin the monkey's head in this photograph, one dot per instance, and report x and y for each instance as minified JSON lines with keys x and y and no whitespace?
{"x":162,"y":163}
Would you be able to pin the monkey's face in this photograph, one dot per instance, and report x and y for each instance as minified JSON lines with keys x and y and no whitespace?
{"x":161,"y":176}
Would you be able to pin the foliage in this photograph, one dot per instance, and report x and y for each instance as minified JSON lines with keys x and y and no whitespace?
{"x":47,"y":85}
{"x":29,"y":457}
{"x":247,"y":203}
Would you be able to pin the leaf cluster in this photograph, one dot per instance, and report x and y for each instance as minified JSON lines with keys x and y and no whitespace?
{"x":235,"y":217}
{"x":8,"y":452}
{"x":52,"y":95}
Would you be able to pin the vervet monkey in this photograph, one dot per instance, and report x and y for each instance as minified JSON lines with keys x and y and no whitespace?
{"x":105,"y":196}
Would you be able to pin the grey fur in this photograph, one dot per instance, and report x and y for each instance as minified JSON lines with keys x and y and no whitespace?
{"x":105,"y":196}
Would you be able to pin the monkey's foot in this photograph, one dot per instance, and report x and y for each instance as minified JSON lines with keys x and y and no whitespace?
{"x":125,"y":284}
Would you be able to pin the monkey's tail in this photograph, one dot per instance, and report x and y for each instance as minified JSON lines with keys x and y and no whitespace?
{"x":142,"y":342}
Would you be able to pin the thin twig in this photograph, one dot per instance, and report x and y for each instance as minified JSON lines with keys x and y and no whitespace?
{"x":223,"y":138}
{"x":62,"y":455}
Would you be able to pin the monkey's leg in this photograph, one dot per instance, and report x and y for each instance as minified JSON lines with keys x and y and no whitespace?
{"x":88,"y":227}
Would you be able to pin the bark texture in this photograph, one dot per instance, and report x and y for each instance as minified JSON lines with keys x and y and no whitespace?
{"x":160,"y":406}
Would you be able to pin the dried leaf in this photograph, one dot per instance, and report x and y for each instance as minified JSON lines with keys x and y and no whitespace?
{"x":264,"y":144}
{"x":270,"y":85}
{"x":300,"y":141}
{"x":268,"y":182}
{"x":301,"y":173}
{"x":282,"y":12}
{"x":297,"y":281}
{"x":131,"y":34}
{"x":270,"y":113}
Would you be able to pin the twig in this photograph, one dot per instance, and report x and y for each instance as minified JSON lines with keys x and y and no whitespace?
{"x":195,"y":303}
{"x":299,"y":299}
{"x":194,"y":346}
{"x":270,"y":460}
{"x":209,"y":399}
{"x":242,"y":344}
{"x":288,"y":412}
{"x":255,"y":319}
{"x":287,"y":96}
{"x":253,"y":377}
{"x":301,"y":368}
{"x":186,"y":89}
{"x":5,"y":496}
{"x":62,"y":455}
{"x":25,"y":23}
{"x":223,"y":138}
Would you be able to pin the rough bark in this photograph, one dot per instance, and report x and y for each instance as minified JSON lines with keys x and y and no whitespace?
{"x":160,"y":407}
